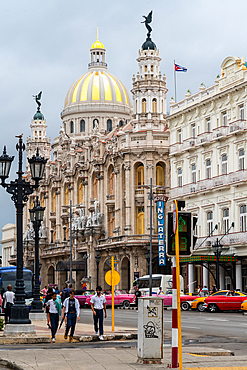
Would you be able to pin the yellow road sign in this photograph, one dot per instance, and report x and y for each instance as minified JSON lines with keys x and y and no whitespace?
{"x":116,"y":277}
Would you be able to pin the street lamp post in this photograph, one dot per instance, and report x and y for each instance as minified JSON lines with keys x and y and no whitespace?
{"x":20,"y":189}
{"x":217,"y":249}
{"x":97,"y":259}
{"x":51,"y":231}
{"x":36,"y":215}
{"x":64,"y":233}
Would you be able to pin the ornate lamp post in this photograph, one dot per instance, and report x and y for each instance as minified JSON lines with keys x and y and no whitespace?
{"x":36,"y":215}
{"x":20,"y":189}
{"x":217,"y":249}
{"x":97,"y":259}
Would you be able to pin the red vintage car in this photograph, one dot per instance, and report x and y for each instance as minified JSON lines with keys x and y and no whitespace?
{"x":82,"y":297}
{"x":224,"y":303}
{"x":184,"y":301}
{"x":120,"y":299}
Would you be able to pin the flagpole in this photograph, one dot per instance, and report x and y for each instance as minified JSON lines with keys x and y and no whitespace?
{"x":175,"y":83}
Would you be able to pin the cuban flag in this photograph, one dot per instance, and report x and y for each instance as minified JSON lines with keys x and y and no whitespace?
{"x":178,"y":68}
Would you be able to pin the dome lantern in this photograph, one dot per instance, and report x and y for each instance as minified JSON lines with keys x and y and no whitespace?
{"x":97,"y":54}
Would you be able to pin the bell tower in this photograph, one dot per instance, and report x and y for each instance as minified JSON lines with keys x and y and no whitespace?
{"x":149,"y":88}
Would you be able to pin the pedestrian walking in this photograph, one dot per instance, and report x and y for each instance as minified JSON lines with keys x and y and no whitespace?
{"x":53,"y":315}
{"x":138,"y":294}
{"x":47,"y":298}
{"x":71,"y":310}
{"x":98,"y":305}
{"x":8,"y":301}
{"x":57,"y":291}
{"x":44,"y":290}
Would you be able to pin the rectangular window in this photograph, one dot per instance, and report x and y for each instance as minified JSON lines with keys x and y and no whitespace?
{"x":241,"y":112}
{"x":241,"y":159}
{"x":224,"y":119}
{"x":193,"y":173}
{"x":193,"y":131}
{"x":243,"y":218}
{"x":224,"y":164}
{"x":225,"y":220}
{"x":208,"y":128}
{"x":208,"y":169}
{"x":180,"y":177}
{"x":209,"y":222}
{"x":179,"y":136}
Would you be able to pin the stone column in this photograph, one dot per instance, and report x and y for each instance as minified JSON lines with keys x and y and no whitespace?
{"x":205,"y":275}
{"x":58,"y":218}
{"x":128,"y":187}
{"x":191,"y":278}
{"x":239,"y":275}
{"x":222,"y":278}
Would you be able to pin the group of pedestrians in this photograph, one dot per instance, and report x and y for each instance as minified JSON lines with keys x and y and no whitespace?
{"x":71,"y":311}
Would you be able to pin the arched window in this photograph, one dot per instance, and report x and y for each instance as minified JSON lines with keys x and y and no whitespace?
{"x":71,"y":127}
{"x":66,"y":195}
{"x":64,"y":127}
{"x":80,"y":192}
{"x":146,"y":68}
{"x":160,"y":177}
{"x":53,"y":201}
{"x":95,"y":122}
{"x":82,"y":126}
{"x":225,"y":220}
{"x":111,"y":222}
{"x":154,"y":105}
{"x":109,"y":125}
{"x":140,"y":175}
{"x":243,"y":218}
{"x":111,"y":181}
{"x":144,"y":105}
{"x":241,"y":159}
{"x":136,"y":106}
{"x":42,"y":200}
{"x":208,"y":169}
{"x":95,"y":187}
{"x":140,"y":221}
{"x":120,"y":123}
{"x":152,"y":68}
{"x":162,"y":106}
{"x":224,"y":164}
{"x":180,"y":177}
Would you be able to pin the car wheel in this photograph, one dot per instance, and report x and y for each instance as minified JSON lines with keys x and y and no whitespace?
{"x":185,"y":306}
{"x":212,"y":307}
{"x":201,"y":307}
{"x":126,"y":304}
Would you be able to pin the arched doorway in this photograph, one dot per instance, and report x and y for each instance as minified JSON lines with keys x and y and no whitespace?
{"x":106,"y":268}
{"x":51,"y":275}
{"x":125,"y":274}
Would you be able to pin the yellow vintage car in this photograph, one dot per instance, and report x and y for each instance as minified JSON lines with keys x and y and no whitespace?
{"x":244,"y":305}
{"x":198,"y":303}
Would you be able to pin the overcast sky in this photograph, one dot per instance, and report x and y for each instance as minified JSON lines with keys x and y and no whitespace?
{"x":44,"y":45}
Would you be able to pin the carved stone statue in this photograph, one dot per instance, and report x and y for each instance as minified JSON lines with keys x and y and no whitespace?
{"x":42,"y":230}
{"x":89,"y":220}
{"x":148,"y":20}
{"x":83,"y":219}
{"x":37,"y":99}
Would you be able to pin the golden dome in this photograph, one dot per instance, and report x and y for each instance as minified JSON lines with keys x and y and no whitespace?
{"x":97,"y":86}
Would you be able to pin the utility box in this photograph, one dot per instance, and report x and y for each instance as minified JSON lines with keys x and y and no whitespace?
{"x":150,"y":329}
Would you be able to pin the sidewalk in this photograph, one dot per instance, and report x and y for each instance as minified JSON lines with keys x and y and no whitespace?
{"x":114,"y":358}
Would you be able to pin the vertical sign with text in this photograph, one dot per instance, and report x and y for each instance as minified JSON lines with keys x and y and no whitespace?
{"x":161,"y":232}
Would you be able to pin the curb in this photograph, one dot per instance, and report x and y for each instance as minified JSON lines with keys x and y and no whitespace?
{"x":10,"y":365}
{"x":214,"y":353}
{"x":95,"y":338}
{"x":24,"y":340}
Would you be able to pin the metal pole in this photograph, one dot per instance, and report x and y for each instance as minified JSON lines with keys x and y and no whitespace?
{"x":36,"y":303}
{"x":97,"y":273}
{"x":70,"y":237}
{"x":175,"y":83}
{"x":217,"y":265}
{"x":112,"y":293}
{"x":19,"y":312}
{"x":151,"y":231}
{"x":174,"y":317}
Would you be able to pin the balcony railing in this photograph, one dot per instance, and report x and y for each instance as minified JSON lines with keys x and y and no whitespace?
{"x":189,"y":143}
{"x":204,"y":138}
{"x":227,"y":240}
{"x":220,"y":132}
{"x":175,"y":148}
{"x":139,"y":192}
{"x":207,"y":184}
{"x":237,"y":126}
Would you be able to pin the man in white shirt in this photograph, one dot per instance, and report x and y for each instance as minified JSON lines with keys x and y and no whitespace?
{"x":98,"y":304}
{"x":54,"y":311}
{"x":71,"y":309}
{"x":8,"y":301}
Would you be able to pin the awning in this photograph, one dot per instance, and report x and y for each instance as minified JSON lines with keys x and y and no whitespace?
{"x":76,"y":266}
{"x":208,"y":259}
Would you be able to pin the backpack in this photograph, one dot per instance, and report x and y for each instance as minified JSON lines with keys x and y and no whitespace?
{"x":64,"y":295}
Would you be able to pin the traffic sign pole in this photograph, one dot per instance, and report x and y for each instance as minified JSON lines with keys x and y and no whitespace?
{"x":112,"y":291}
{"x":178,"y":291}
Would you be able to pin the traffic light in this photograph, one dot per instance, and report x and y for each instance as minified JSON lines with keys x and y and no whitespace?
{"x":184,"y":233}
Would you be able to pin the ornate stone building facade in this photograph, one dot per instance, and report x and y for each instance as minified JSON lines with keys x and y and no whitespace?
{"x":104,"y":152}
{"x":208,"y":136}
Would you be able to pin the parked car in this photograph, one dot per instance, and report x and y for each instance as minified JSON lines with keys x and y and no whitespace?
{"x":82,"y":296}
{"x":120,"y":299}
{"x":224,"y":303}
{"x":198,"y":303}
{"x":184,"y":301}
